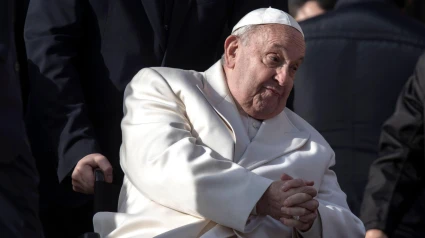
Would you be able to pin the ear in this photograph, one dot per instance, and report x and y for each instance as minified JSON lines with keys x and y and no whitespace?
{"x":231,"y":46}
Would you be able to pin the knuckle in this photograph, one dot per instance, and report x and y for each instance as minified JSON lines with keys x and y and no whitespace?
{"x":84,"y":160}
{"x":288,"y":201}
{"x":75,"y":175}
{"x":99,"y":158}
{"x":307,"y":196}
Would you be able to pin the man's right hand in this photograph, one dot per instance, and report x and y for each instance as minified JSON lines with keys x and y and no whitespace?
{"x":301,"y":205}
{"x":83,"y":174}
{"x":273,"y":199}
{"x":375,"y":233}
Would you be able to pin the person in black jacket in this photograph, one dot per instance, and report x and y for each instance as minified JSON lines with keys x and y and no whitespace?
{"x":81,"y":56}
{"x":18,"y":174}
{"x":394,"y":199}
{"x":358,"y":57}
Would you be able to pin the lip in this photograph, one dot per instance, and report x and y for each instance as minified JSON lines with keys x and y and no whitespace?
{"x":274,"y":91}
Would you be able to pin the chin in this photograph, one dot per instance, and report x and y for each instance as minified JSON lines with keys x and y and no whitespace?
{"x":265,"y":112}
{"x":263,"y":115}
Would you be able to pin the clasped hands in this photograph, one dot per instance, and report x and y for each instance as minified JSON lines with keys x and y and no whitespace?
{"x":289,"y":198}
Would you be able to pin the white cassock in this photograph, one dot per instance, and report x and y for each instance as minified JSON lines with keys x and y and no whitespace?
{"x":192,"y":170}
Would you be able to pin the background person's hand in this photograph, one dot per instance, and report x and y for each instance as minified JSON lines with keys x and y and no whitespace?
{"x":272,"y":201}
{"x":83,"y":174}
{"x":375,"y":233}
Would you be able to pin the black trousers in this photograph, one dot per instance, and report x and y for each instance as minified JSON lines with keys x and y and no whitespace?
{"x":19,"y":199}
{"x":67,"y":222}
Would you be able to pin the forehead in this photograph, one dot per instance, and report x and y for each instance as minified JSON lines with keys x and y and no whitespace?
{"x":280,"y":38}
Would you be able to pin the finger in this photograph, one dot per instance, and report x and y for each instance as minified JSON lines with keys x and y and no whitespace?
{"x":297,"y":199}
{"x":303,"y":189}
{"x":76,"y":189}
{"x":83,"y":185}
{"x":310,"y":205}
{"x":296,"y":224}
{"x":75,"y":186}
{"x":309,"y":182}
{"x":98,"y":161}
{"x":275,"y":210}
{"x":278,"y":215}
{"x":285,"y":177}
{"x":105,"y":166}
{"x":295,"y":211}
{"x":87,"y":177}
{"x":83,"y":178}
{"x":81,"y":189}
{"x":282,"y":215}
{"x":89,"y":160}
{"x":294,"y":183}
{"x":309,"y":218}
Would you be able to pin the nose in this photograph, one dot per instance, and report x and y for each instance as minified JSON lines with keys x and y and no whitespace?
{"x":282,"y":75}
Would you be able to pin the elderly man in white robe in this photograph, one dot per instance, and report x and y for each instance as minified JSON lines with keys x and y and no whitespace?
{"x":216,"y":154}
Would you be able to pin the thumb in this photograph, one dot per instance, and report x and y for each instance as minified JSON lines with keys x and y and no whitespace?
{"x":106,"y":167}
{"x":285,"y":177}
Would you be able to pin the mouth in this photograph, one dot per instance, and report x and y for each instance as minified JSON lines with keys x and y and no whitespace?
{"x":274,"y":91}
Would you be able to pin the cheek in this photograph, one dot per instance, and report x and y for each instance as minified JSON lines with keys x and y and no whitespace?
{"x":289,"y":86}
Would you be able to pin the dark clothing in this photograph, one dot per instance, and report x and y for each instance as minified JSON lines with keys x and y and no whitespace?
{"x":394,"y":199}
{"x":74,"y":221}
{"x":358,"y":58}
{"x":81,"y":56}
{"x":343,"y":3}
{"x":18,"y":174}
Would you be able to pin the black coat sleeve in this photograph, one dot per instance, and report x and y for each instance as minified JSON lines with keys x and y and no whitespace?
{"x":53,"y":36}
{"x":396,"y":178}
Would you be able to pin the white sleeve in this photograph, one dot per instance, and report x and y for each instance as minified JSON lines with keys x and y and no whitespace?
{"x":336,"y":218}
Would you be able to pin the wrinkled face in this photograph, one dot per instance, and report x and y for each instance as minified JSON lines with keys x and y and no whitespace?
{"x":260,"y":73}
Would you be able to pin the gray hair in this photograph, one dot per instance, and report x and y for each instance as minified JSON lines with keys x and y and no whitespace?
{"x":244,"y":34}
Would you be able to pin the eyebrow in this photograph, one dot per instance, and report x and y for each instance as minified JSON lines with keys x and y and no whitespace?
{"x":277,"y":46}
{"x":300,"y":60}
